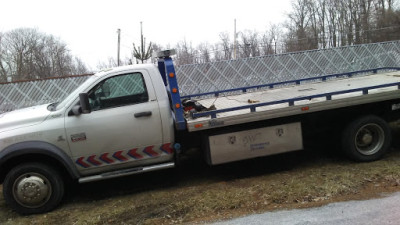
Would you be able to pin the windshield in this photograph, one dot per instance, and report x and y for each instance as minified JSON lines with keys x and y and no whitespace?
{"x":75,"y":93}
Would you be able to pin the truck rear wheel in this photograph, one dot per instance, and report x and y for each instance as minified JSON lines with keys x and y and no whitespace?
{"x":33,"y":188}
{"x":366,"y":139}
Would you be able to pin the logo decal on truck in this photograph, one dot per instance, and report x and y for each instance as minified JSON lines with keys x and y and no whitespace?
{"x":215,"y":123}
{"x":259,"y":146}
{"x":279,"y":132}
{"x":78,"y":137}
{"x":232,"y":140}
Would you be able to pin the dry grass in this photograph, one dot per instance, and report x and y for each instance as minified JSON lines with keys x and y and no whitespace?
{"x":197,"y":193}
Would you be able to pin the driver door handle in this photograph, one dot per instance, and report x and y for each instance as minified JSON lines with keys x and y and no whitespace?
{"x":143,"y":114}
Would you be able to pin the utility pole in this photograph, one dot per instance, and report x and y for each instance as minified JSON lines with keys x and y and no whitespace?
{"x":141,"y":38}
{"x":234,"y":40}
{"x":119,"y":44}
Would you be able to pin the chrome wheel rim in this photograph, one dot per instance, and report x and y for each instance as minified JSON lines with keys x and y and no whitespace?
{"x":369,"y":139}
{"x":32,"y":190}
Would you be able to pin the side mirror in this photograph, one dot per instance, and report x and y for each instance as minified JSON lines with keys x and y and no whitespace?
{"x":75,"y":111}
{"x":84,"y":100}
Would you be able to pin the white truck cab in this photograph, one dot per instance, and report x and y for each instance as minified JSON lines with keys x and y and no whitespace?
{"x":129,"y":125}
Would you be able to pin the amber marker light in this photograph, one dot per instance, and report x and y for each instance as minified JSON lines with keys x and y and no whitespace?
{"x":171,"y":75}
{"x":174,"y":90}
{"x":305,"y":108}
{"x":199,"y":125}
{"x":177,"y":105}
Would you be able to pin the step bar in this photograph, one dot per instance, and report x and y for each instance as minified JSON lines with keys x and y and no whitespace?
{"x":126,"y":172}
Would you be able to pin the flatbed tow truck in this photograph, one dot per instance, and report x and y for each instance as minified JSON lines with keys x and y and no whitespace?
{"x":132,"y":119}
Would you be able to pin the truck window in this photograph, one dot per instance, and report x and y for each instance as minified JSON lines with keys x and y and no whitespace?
{"x":119,"y":91}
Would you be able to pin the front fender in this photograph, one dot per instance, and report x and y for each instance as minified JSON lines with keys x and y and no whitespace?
{"x":37,"y":148}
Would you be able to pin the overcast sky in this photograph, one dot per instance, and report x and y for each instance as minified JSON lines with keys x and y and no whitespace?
{"x":89,"y":27}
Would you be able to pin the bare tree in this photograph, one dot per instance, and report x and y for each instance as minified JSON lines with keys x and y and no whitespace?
{"x":267,"y":44}
{"x":185,"y":53}
{"x":111,"y":62}
{"x":320,"y":18}
{"x":270,"y":39}
{"x":249,"y":44}
{"x":79,"y":66}
{"x":3,"y":71}
{"x":156,"y":48}
{"x":205,"y":53}
{"x":311,"y":24}
{"x":227,"y":46}
{"x":26,"y":53}
{"x":218,"y":53}
{"x":324,"y":23}
{"x":387,"y":20}
{"x":301,"y":35}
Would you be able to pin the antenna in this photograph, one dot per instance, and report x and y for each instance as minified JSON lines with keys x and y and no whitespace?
{"x":119,"y":44}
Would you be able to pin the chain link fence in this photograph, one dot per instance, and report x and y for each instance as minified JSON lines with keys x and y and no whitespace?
{"x":30,"y":93}
{"x":223,"y":75}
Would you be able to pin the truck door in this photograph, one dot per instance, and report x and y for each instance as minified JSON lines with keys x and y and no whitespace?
{"x":123,"y":129}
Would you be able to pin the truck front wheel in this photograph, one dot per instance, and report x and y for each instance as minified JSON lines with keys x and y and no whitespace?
{"x":366,"y":139}
{"x":32,"y":188}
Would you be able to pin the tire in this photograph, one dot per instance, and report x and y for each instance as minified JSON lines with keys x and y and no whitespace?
{"x":33,"y":188}
{"x":366,"y":139}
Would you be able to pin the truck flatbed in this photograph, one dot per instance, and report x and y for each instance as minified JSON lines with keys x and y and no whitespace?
{"x":293,"y":98}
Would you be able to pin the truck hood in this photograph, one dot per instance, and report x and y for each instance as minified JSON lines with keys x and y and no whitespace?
{"x":23,"y":117}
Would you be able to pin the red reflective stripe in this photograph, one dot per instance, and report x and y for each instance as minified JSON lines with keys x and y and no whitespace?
{"x":118,"y":155}
{"x":132,"y":153}
{"x":149,"y":151}
{"x":82,"y":163}
{"x":167,"y":148}
{"x":93,"y":161}
{"x":105,"y":159}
